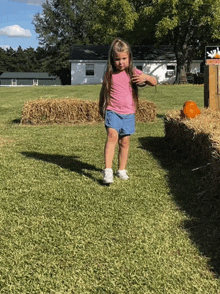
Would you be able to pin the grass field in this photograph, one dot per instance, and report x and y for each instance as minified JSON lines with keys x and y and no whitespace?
{"x":62,"y":231}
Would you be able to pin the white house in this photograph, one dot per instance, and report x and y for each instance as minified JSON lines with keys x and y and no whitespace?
{"x":88,"y":63}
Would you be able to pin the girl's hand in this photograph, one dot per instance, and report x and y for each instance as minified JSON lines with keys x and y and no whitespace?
{"x":143,"y":79}
{"x":139,"y":79}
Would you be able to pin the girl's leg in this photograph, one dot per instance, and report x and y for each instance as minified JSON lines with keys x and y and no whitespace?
{"x":112,"y":139}
{"x":123,"y":152}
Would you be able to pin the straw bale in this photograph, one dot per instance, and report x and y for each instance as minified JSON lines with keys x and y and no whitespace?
{"x":199,"y":141}
{"x":198,"y":138}
{"x":146,"y":111}
{"x":49,"y":111}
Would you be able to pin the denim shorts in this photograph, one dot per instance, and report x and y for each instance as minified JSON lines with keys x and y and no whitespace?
{"x":124,"y":124}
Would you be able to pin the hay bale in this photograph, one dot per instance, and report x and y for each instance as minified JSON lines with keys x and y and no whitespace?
{"x":201,"y":134}
{"x":49,"y":111}
{"x":199,"y":141}
{"x":146,"y":111}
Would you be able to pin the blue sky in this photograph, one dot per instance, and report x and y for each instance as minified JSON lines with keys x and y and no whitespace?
{"x":16,"y":28}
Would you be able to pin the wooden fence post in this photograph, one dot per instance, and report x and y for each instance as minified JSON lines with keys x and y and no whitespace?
{"x":212,"y":77}
{"x":212,"y":87}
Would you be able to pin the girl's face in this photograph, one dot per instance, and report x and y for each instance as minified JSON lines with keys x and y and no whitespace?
{"x":121,"y":60}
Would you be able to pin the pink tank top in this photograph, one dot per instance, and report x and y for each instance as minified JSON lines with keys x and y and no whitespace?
{"x":121,"y":100}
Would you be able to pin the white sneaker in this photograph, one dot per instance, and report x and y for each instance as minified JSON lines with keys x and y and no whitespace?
{"x":108,"y":176}
{"x":122,"y":174}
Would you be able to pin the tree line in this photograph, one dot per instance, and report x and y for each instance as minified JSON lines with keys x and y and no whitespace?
{"x":22,"y":60}
{"x":187,"y":25}
{"x":33,"y":60}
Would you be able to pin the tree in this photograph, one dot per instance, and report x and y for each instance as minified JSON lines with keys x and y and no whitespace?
{"x":62,"y":23}
{"x":22,"y":60}
{"x":143,"y":31}
{"x":2,"y":60}
{"x":113,"y":18}
{"x":187,"y":25}
{"x":66,"y":22}
{"x":10,"y":61}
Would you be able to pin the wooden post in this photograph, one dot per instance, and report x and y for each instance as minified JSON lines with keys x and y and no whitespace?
{"x":206,"y":86}
{"x":212,"y":86}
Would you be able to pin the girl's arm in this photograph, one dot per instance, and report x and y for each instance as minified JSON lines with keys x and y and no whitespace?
{"x":144,"y":79}
{"x":102,"y":100}
{"x":102,"y":96}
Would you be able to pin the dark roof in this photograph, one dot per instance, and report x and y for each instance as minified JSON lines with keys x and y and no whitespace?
{"x":140,"y":52}
{"x":89,"y":52}
{"x":146,"y":52}
{"x":26,"y":75}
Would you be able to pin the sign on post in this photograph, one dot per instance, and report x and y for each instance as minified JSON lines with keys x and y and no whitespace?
{"x":212,"y":77}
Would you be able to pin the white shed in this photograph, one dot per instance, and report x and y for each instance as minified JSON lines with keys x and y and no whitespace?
{"x":88,"y":63}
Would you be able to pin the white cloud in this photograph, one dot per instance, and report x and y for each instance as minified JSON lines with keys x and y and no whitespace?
{"x":31,"y":2}
{"x":15,"y":32}
{"x":4,"y":47}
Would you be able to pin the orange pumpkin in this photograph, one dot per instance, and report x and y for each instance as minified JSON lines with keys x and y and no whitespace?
{"x":190,"y":109}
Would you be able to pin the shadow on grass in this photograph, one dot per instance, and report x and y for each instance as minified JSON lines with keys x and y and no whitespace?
{"x":71,"y":163}
{"x":160,"y":116}
{"x":16,"y":121}
{"x":185,"y":182}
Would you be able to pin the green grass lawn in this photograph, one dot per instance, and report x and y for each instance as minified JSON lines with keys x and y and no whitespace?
{"x":62,"y":231}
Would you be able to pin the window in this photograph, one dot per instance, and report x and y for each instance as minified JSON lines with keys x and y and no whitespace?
{"x":14,"y":82}
{"x":35,"y":82}
{"x":90,"y":70}
{"x":140,"y":67}
{"x":170,"y":71}
{"x":171,"y":67}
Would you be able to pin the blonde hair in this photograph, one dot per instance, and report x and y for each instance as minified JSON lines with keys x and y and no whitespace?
{"x":117,"y":46}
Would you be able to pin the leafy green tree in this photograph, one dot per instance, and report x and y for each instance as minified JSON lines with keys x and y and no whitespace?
{"x":31,"y":63}
{"x":34,"y":60}
{"x":19,"y":60}
{"x":113,"y":18}
{"x":62,"y":23}
{"x":10,"y":60}
{"x":187,"y":25}
{"x":67,"y":22}
{"x":39,"y":56}
{"x":2,"y":60}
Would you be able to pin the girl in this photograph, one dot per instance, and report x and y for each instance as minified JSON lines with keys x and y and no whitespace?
{"x":118,"y":103}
